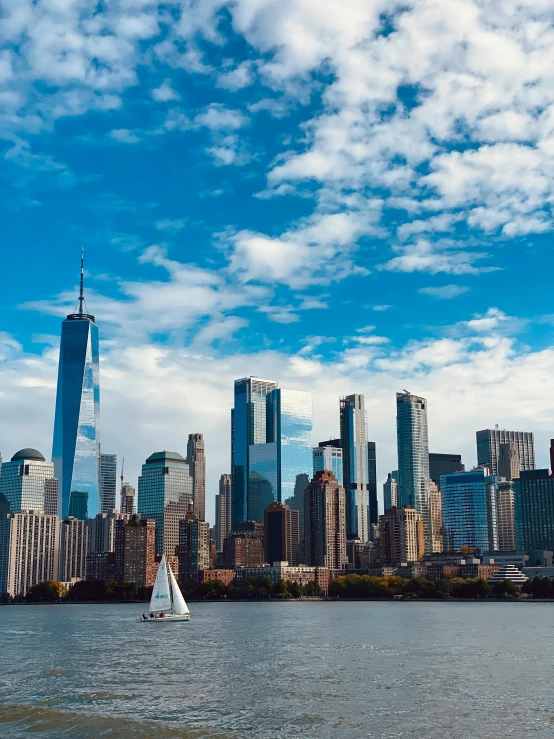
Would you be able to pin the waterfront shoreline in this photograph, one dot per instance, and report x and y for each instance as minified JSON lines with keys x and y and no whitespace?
{"x":314,"y":599}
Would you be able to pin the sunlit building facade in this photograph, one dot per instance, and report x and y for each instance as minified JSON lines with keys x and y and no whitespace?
{"x":27,"y":482}
{"x":222,"y":511}
{"x":505,"y":515}
{"x":488,"y":448}
{"x":196,"y":459}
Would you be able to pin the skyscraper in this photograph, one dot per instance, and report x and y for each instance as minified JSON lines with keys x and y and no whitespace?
{"x":128,"y":495}
{"x":373,"y":511}
{"x":76,"y":445}
{"x":73,"y":549}
{"x":509,"y":465}
{"x":164,"y":492}
{"x":413,"y":457}
{"x":390,"y":492}
{"x":248,"y":427}
{"x":435,"y":517}
{"x":196,"y":459}
{"x":469,"y":510}
{"x":194,"y":543}
{"x":443,"y":464}
{"x":222,"y":511}
{"x":353,"y":435}
{"x":505,"y":516}
{"x":328,"y":457}
{"x":28,"y":483}
{"x":108,"y":482}
{"x":101,"y":536}
{"x":534,"y":510}
{"x":281,"y":534}
{"x":401,"y":536}
{"x":326,"y":522}
{"x":488,"y":448}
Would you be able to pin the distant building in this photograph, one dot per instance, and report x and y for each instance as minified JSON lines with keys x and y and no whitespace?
{"x":444,"y":464}
{"x":505,"y":515}
{"x":194,"y":543}
{"x":127,"y":499}
{"x":282,"y":534}
{"x":488,"y":448}
{"x":29,"y":551}
{"x":435,"y":517}
{"x":108,"y":482}
{"x":135,"y":551}
{"x":244,"y":547}
{"x":402,"y":536}
{"x":78,"y":505}
{"x":353,"y":434}
{"x":327,"y":457}
{"x":101,"y":537}
{"x":283,"y":571}
{"x":509,"y":465}
{"x":390,"y":492}
{"x":222,"y":511}
{"x":73,"y":549}
{"x":196,"y":459}
{"x":326,"y":522}
{"x":101,"y":566}
{"x":534,"y":510}
{"x":164,"y":492}
{"x":373,"y":510}
{"x":28,"y":483}
{"x":297,"y":503}
{"x":469,"y":510}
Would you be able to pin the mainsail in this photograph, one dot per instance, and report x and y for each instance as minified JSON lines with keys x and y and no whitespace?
{"x":180,"y":607}
{"x":161,"y":599}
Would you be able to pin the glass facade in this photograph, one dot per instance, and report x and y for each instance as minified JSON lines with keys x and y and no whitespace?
{"x":263,"y":479}
{"x":469,"y":510}
{"x":328,"y":458}
{"x":28,"y":483}
{"x":534,"y":510}
{"x":373,"y":510}
{"x":353,"y":435}
{"x":76,"y":446}
{"x":488,"y":448}
{"x":108,"y":482}
{"x":164,"y":492}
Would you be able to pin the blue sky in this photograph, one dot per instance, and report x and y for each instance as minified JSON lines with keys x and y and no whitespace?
{"x":346,"y":197}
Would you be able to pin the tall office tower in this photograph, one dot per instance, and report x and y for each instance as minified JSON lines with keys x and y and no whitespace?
{"x":29,"y":551}
{"x":127,"y":503}
{"x":196,"y":459}
{"x":444,"y":464}
{"x":390,"y":492}
{"x":76,"y":446}
{"x":413,"y":457}
{"x":401,"y":535}
{"x":194,"y":543}
{"x":108,"y":482}
{"x":435,"y":517}
{"x":286,"y":454}
{"x":101,"y":537}
{"x":281,"y":534}
{"x":505,"y":516}
{"x":373,"y":508}
{"x":248,"y":426}
{"x":327,"y":457}
{"x":28,"y":483}
{"x":222,"y":511}
{"x":326,"y":522}
{"x":488,"y":448}
{"x":509,"y":465}
{"x":353,"y":436}
{"x":135,"y":551}
{"x":469,"y":510}
{"x":164,"y":492}
{"x":534,"y":510}
{"x":73,"y":549}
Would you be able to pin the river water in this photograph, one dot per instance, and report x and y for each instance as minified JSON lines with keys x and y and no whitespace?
{"x":269,"y":670}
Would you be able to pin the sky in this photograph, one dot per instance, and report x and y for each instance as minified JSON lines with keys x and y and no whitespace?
{"x":342,"y":196}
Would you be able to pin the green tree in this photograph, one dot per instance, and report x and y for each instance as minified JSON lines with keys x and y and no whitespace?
{"x":295,"y":589}
{"x":504,"y":588}
{"x":49,"y":591}
{"x":312,"y":589}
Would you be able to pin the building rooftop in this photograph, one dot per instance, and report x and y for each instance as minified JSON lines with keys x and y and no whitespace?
{"x":165,"y":457}
{"x":28,"y":453}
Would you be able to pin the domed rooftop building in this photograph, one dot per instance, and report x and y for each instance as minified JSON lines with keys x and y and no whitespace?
{"x":509,"y":572}
{"x":29,"y":454}
{"x":28,"y":483}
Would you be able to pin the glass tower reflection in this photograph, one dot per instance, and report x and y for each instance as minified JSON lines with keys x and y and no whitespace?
{"x":76,"y":445}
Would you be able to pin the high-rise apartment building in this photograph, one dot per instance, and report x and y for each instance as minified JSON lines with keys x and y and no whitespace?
{"x":29,"y":551}
{"x":401,"y":535}
{"x":135,"y":550}
{"x":326,"y":522}
{"x":534,"y":510}
{"x":413,"y":457}
{"x":353,"y":434}
{"x":282,"y":534}
{"x":127,"y":499}
{"x":328,"y":457}
{"x":76,"y":445}
{"x":469,"y":510}
{"x":108,"y":482}
{"x":101,"y":536}
{"x":390,"y":492}
{"x":222,"y":511}
{"x":435,"y":517}
{"x":73,"y":549}
{"x":248,"y":427}
{"x":509,"y":465}
{"x":196,"y":459}
{"x":505,"y":515}
{"x":443,"y":464}
{"x":488,"y":448}
{"x":28,"y":483}
{"x":373,"y":509}
{"x":194,"y":543}
{"x":164,"y":492}
{"x":244,"y":547}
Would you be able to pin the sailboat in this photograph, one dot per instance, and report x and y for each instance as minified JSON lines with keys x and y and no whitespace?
{"x":167,"y":603}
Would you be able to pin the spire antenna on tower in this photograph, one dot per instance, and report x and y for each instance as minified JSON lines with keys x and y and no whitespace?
{"x":82,"y":281}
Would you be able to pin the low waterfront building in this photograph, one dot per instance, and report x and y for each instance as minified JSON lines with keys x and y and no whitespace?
{"x":283,"y":571}
{"x":508,"y":572}
{"x":192,"y":578}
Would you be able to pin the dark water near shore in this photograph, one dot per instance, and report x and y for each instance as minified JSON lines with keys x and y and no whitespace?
{"x":249,"y":670}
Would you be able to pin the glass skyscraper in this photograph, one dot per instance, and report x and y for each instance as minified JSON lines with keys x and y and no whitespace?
{"x":76,"y":445}
{"x":534,"y":510}
{"x":353,"y":434}
{"x":327,"y":457}
{"x":469,"y":510}
{"x":28,"y":483}
{"x":413,"y":457}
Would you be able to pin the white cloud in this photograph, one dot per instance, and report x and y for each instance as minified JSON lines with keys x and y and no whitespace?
{"x":237,"y":78}
{"x":381,"y":308}
{"x":444,"y":292}
{"x":124,"y":136}
{"x":424,"y":256}
{"x":217,"y":117}
{"x":165,"y":93}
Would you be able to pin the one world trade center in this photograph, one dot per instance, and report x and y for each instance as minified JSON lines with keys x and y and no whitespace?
{"x":76,"y":446}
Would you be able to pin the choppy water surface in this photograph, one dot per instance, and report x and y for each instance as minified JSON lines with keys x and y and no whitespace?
{"x":253,"y":670}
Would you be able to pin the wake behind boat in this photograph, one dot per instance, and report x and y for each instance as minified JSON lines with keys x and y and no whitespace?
{"x":167,"y":603}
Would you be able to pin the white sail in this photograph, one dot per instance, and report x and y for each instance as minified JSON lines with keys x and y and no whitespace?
{"x":161,"y":600}
{"x":180,"y":607}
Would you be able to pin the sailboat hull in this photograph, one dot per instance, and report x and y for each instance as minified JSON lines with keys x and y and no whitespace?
{"x":170,"y":618}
